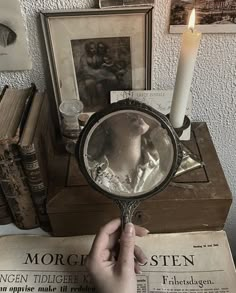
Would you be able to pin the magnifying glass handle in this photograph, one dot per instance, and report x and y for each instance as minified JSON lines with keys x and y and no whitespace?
{"x":127,"y":208}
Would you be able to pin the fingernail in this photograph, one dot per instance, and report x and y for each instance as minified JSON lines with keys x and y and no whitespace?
{"x":129,"y":229}
{"x":139,"y":271}
{"x":143,"y":261}
{"x":147,"y":231}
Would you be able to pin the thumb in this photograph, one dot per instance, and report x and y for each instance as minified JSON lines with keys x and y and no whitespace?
{"x":127,"y":243}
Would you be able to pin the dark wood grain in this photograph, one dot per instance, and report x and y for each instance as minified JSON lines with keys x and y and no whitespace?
{"x":197,"y":200}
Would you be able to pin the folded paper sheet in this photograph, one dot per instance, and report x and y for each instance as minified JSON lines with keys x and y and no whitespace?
{"x":184,"y":262}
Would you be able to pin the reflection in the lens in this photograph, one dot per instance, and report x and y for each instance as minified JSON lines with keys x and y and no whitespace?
{"x":124,"y":152}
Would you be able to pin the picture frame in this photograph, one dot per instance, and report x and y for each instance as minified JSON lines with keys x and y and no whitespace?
{"x":93,"y":51}
{"x":212,"y":16}
{"x":119,"y":3}
{"x":14,"y":53}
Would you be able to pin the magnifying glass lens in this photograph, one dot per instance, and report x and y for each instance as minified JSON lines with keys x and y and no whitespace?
{"x":129,"y":153}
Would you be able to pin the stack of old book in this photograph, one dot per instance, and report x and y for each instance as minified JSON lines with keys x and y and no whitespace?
{"x":25,"y":146}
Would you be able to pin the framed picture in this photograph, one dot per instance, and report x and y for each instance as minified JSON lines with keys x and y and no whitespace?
{"x":14,"y":54}
{"x":116,"y":3}
{"x":92,"y":52}
{"x":212,"y":16}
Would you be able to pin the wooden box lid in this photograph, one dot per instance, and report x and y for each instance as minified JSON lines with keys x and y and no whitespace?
{"x":69,"y":191}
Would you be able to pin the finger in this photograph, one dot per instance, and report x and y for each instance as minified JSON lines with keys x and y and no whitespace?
{"x":94,"y":265}
{"x":139,"y":255}
{"x":114,"y":242}
{"x":137,"y":268}
{"x":126,"y":254}
{"x":114,"y":239}
{"x":140,"y":231}
{"x":106,"y":255}
{"x":101,"y":241}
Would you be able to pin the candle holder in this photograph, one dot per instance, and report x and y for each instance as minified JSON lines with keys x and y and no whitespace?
{"x":186,"y":124}
{"x":189,"y":161}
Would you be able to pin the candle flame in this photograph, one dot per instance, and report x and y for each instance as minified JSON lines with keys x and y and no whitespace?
{"x":191,"y":23}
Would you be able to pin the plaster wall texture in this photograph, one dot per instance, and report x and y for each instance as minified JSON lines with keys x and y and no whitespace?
{"x":213,"y":85}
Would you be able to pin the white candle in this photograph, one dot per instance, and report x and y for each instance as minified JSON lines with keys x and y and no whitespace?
{"x":188,"y":54}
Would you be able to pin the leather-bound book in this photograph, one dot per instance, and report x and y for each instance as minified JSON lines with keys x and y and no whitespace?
{"x":14,"y":109}
{"x":5,"y":214}
{"x":35,"y":147}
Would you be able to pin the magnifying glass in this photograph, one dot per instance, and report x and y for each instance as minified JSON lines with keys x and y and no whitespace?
{"x":128,"y":152}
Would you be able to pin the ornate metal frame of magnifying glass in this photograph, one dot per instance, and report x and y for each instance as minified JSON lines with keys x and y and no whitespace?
{"x":128,"y":205}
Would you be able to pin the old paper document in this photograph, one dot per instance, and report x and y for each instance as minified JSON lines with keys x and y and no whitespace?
{"x":185,"y":262}
{"x":160,"y":100}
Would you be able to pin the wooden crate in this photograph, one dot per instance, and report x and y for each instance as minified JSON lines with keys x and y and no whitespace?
{"x":197,"y":200}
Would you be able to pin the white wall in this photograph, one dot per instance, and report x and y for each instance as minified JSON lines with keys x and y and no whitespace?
{"x":213,"y":87}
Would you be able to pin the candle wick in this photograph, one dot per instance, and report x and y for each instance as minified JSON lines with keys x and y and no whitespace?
{"x":191,"y":29}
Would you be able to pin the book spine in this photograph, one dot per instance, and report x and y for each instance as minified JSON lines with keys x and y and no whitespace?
{"x":34,"y":178}
{"x":3,"y":92}
{"x":5,"y":214}
{"x":26,"y":109}
{"x":15,"y":188}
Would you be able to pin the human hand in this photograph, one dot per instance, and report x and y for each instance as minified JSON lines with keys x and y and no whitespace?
{"x":113,"y":263}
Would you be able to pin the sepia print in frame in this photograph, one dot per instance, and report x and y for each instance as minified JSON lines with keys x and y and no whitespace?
{"x":212,"y":16}
{"x":95,"y":51}
{"x":14,"y":54}
{"x":119,"y":3}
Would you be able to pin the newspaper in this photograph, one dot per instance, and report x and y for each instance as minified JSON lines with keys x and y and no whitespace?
{"x":184,"y":262}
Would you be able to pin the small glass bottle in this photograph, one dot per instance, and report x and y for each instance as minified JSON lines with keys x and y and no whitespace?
{"x":70,"y":111}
